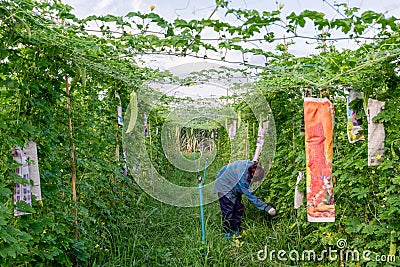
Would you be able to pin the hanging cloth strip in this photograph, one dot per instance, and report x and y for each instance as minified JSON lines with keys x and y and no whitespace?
{"x":376,"y":133}
{"x":298,"y":196}
{"x":262,"y":129}
{"x":318,"y":122}
{"x":145,"y":126}
{"x":133,"y":106}
{"x":22,"y":192}
{"x":125,"y":167}
{"x":30,"y":150}
{"x":120,"y":120}
{"x":232,"y":130}
{"x":353,"y":125}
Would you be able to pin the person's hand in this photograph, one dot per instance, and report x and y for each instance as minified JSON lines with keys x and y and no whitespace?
{"x":271,"y":211}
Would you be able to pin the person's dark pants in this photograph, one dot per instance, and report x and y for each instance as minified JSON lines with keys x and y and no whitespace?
{"x":232,"y":213}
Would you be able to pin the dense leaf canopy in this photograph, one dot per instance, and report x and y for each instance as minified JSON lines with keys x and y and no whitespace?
{"x":49,"y":57}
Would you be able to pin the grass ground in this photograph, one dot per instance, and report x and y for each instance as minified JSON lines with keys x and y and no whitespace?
{"x":171,"y":236}
{"x":164,"y":235}
{"x":157,"y":234}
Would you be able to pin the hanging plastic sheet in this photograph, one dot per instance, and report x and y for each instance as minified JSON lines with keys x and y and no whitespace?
{"x":376,"y":133}
{"x":298,"y":195}
{"x":134,"y":112}
{"x":30,"y":150}
{"x":232,"y":130}
{"x":262,"y":129}
{"x":318,"y":122}
{"x":119,"y":110}
{"x":125,"y":168}
{"x":353,"y":124}
{"x":22,"y":192}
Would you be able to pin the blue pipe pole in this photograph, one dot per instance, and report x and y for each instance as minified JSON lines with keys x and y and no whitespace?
{"x":203,"y":232}
{"x":200,"y":185}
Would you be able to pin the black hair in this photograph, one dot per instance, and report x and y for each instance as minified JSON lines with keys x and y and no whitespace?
{"x":252,"y":169}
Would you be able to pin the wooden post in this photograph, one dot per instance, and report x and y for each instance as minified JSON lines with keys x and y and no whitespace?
{"x":151,"y":150}
{"x":151,"y":156}
{"x":116,"y":153}
{"x":323,"y":40}
{"x":119,"y":123}
{"x":291,"y":98}
{"x":239,"y":119}
{"x":72,"y":155}
{"x":178,"y":133}
{"x":219,"y":145}
{"x":284,"y":43}
{"x":247,"y":140}
{"x":293,"y":128}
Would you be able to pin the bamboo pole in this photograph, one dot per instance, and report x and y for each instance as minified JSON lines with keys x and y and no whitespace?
{"x":116,"y":94}
{"x":116,"y":153}
{"x":178,"y":133}
{"x":239,"y":119}
{"x":284,"y":43}
{"x":292,"y":102}
{"x":323,"y":40}
{"x":247,"y":140}
{"x":72,"y":155}
{"x":151,"y":150}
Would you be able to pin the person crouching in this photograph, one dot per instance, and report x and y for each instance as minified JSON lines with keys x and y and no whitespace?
{"x":233,"y":181}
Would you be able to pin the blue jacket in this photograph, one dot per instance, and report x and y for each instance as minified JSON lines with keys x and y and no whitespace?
{"x":232,"y":180}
